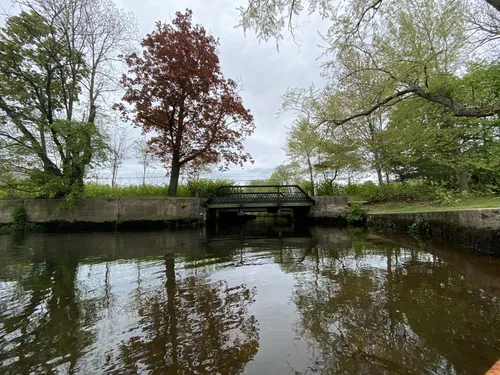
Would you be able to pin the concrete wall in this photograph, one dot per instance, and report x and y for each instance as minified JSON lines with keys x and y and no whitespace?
{"x":106,"y":210}
{"x":329,"y":208}
{"x":478,"y":229}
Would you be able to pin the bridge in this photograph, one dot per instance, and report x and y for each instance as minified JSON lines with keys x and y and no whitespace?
{"x":270,"y":198}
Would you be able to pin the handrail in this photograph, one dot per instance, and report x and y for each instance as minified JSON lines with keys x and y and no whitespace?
{"x":278,"y":192}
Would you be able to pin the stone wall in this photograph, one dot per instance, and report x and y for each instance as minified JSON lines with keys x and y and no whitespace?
{"x":329,"y":208}
{"x":106,"y":210}
{"x":478,"y":229}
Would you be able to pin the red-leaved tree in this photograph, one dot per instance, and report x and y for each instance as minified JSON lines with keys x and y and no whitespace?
{"x":177,"y":91}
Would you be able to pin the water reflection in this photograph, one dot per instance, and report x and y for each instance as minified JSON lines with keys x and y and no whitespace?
{"x":266,"y":297}
{"x":412,"y":315}
{"x":192,"y":325}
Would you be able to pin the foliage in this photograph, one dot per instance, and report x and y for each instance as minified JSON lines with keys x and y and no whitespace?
{"x":404,"y":96}
{"x":398,"y":49}
{"x":53,"y":69}
{"x":302,"y":147}
{"x":178,"y":92}
{"x":20,"y":223}
{"x":356,"y":215}
{"x":19,"y":218}
{"x":205,"y":188}
{"x":200,"y":188}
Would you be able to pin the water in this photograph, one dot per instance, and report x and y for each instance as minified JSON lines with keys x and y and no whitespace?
{"x":264,"y":298}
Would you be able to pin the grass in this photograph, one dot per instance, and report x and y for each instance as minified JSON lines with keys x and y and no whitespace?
{"x":462,"y":204}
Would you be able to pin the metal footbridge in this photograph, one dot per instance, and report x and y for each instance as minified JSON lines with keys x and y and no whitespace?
{"x":259,"y":198}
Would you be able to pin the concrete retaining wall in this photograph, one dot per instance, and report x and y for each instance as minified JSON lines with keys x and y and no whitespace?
{"x":329,"y":208}
{"x":478,"y":229}
{"x":106,"y":210}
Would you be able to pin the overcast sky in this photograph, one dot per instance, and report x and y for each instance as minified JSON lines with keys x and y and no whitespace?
{"x":265,"y":72}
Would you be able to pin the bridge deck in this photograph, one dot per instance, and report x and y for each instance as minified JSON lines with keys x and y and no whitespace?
{"x":259,"y":196}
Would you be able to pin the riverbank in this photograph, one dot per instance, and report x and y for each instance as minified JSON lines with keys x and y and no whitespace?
{"x":461,"y":204}
{"x":476,"y":229}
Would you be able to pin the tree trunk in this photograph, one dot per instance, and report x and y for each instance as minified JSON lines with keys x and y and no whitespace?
{"x":380,"y":178}
{"x":311,"y":173}
{"x":115,"y":173}
{"x":174,"y":175}
{"x":172,"y":315}
{"x":463,"y":180}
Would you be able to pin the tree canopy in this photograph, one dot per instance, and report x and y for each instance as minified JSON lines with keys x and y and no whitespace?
{"x":54,"y":69}
{"x":177,"y":90}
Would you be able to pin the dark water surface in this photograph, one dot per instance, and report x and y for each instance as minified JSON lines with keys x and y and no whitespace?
{"x":264,"y":298}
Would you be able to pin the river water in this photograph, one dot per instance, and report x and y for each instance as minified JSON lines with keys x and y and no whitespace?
{"x":261,"y":298}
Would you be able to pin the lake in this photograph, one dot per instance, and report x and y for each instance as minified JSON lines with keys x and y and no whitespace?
{"x":265,"y":297}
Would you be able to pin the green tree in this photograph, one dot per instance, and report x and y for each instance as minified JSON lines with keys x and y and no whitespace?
{"x":54,"y":68}
{"x":427,"y":142}
{"x":302,"y":147}
{"x":286,"y":174}
{"x":410,"y":49}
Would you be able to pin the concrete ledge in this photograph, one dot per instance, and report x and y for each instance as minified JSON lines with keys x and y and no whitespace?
{"x":106,"y":210}
{"x":478,"y":229}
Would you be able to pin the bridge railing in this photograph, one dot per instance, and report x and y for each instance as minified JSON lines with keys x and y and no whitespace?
{"x":260,"y":194}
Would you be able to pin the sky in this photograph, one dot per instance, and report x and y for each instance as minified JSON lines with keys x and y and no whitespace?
{"x":265,"y":72}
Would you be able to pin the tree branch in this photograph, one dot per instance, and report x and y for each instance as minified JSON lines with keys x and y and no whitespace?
{"x":370,"y":110}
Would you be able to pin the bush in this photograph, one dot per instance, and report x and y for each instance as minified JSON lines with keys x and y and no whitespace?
{"x":356,"y":215}
{"x":206,"y":188}
{"x":106,"y":191}
{"x":200,"y":188}
{"x":20,"y":222}
{"x":325,"y":188}
{"x":19,"y":218}
{"x":366,"y":189}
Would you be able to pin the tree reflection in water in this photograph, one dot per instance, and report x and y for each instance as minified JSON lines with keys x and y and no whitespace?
{"x":44,"y":329}
{"x":191,"y":326}
{"x":409,"y":316}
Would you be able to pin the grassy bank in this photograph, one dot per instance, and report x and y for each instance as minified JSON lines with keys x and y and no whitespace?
{"x":459,"y":204}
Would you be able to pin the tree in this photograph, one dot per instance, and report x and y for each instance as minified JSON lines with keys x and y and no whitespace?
{"x":177,"y":90}
{"x":413,"y":48}
{"x":119,"y":145}
{"x":145,"y":156}
{"x":342,"y":156}
{"x":302,"y":145}
{"x":426,"y":142}
{"x":286,"y":174}
{"x":54,"y":55}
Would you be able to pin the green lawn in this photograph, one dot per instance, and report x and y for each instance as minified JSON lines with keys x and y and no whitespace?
{"x":462,"y":204}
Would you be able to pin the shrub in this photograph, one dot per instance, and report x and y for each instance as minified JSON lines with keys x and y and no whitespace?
{"x":20,"y":222}
{"x":366,"y":189}
{"x":202,"y":188}
{"x":19,"y":218}
{"x":325,"y":188}
{"x":356,"y":215}
{"x":205,"y":188}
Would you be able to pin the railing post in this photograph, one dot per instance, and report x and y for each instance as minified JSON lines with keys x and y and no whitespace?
{"x":279,"y":198}
{"x":241,"y":197}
